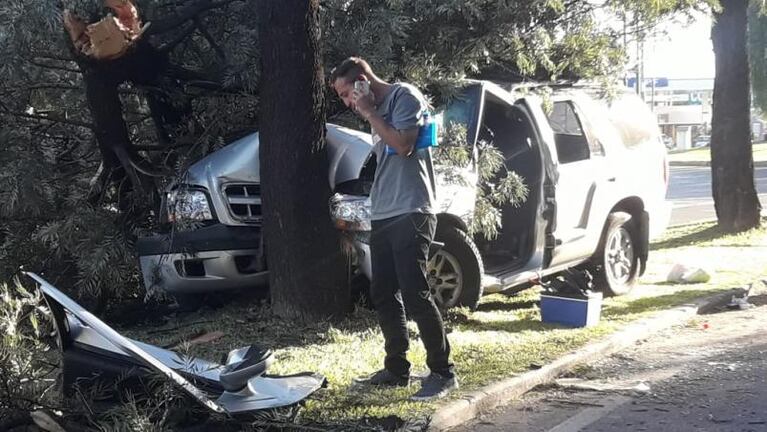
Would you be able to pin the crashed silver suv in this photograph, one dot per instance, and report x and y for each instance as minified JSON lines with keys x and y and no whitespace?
{"x":596,"y":172}
{"x":213,"y":241}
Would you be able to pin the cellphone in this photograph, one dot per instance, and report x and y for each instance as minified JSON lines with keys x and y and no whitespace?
{"x":362,"y":86}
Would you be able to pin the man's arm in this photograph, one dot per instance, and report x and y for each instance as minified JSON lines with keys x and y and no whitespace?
{"x":402,"y":141}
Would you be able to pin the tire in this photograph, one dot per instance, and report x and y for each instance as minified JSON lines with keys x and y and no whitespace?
{"x":616,"y":263}
{"x":455,"y":271}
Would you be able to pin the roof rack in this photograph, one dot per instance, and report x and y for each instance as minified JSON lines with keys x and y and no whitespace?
{"x":552,"y":84}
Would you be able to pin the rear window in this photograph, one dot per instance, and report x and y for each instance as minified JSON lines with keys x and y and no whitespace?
{"x":572,"y":144}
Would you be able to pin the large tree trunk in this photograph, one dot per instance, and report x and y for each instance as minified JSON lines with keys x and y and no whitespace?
{"x":732,"y":163}
{"x":303,"y":251}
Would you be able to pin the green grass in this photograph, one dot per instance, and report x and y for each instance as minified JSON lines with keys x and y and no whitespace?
{"x":503,"y":337}
{"x":704,"y":154}
{"x":710,"y":235}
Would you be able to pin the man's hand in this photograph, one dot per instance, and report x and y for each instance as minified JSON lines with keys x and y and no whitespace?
{"x":364,"y":104}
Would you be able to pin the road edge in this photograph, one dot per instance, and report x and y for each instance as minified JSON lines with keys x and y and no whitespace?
{"x":469,"y":406}
{"x":757,"y":164}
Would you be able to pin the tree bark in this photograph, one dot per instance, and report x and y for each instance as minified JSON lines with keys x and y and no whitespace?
{"x":732,"y":163}
{"x":142,"y":65}
{"x":307,"y":269}
{"x":109,"y":127}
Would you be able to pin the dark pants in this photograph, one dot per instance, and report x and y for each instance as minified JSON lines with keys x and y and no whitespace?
{"x":399,"y":248}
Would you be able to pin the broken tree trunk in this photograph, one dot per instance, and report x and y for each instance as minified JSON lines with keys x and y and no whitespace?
{"x":111,"y":52}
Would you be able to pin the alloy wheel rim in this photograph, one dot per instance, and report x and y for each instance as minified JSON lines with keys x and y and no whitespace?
{"x":619,"y":256}
{"x":445,"y":278}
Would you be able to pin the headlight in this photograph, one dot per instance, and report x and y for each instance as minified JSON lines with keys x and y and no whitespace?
{"x":188,"y":205}
{"x":350,"y":212}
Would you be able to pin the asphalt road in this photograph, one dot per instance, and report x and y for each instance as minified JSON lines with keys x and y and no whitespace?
{"x":710,"y":375}
{"x":690,"y":191}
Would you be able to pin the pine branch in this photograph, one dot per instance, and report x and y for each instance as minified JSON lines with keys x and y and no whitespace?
{"x":56,"y":119}
{"x":211,"y":40}
{"x":54,"y":67}
{"x":50,"y":86}
{"x":184,"y":14}
{"x":138,"y":147}
{"x":168,"y":46}
{"x":54,"y":56}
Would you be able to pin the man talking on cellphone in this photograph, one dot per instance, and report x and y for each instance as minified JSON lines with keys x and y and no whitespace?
{"x":403,"y":224}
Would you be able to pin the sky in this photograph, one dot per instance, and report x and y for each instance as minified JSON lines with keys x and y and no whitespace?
{"x":684,"y":52}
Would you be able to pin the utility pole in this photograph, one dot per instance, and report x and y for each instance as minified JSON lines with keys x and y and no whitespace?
{"x":640,"y":66}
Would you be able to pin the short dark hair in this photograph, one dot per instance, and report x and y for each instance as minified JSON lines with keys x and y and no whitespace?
{"x":349,"y":69}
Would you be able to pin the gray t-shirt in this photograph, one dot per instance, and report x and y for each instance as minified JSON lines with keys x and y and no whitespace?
{"x":402,"y":184}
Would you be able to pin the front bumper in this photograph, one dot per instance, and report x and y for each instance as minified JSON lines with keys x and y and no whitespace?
{"x":212,"y":258}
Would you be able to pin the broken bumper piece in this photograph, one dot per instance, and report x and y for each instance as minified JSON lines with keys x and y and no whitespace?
{"x":91,"y":348}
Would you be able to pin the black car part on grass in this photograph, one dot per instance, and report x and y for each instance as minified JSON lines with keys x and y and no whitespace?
{"x":93,"y":350}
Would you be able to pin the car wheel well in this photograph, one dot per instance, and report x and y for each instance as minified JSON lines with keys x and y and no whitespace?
{"x":447,"y":219}
{"x":632,"y":205}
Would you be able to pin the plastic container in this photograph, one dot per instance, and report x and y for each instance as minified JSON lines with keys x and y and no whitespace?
{"x":571,"y":311}
{"x":427,"y":134}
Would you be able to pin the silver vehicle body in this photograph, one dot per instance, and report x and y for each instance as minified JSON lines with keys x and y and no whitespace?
{"x":571,"y":202}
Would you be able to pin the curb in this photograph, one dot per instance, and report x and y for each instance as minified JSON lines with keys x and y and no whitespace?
{"x":475,"y":403}
{"x":757,"y":164}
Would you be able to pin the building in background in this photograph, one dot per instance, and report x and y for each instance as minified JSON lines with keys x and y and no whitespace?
{"x":683,"y":107}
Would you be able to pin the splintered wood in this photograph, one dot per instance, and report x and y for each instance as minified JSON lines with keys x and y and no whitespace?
{"x":109,"y":38}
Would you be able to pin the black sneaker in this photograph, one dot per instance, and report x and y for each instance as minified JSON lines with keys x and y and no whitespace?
{"x":384,"y":378}
{"x":435,"y":386}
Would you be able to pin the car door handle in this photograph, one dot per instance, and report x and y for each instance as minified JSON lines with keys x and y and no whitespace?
{"x":611,"y":179}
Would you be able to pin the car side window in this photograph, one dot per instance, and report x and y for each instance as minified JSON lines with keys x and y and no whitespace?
{"x":571,"y":142}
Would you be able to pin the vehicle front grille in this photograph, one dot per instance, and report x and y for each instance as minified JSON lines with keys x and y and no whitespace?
{"x":244,"y":202}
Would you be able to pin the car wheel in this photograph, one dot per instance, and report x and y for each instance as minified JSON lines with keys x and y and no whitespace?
{"x":455,"y":271}
{"x":616,"y":269}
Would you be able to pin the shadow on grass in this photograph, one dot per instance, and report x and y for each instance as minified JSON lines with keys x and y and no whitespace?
{"x":497,"y":306}
{"x":699,"y":236}
{"x":708,"y":234}
{"x":758,"y":300}
{"x":518,"y":326}
{"x":755,"y":300}
{"x":651,"y":304}
{"x":662,"y":283}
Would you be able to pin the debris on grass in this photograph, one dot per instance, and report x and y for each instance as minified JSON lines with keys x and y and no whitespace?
{"x":602,"y":386}
{"x":203,"y":338}
{"x":681,"y":273}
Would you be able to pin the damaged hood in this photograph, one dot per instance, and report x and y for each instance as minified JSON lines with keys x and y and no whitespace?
{"x":238,"y":162}
{"x":348,"y":151}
